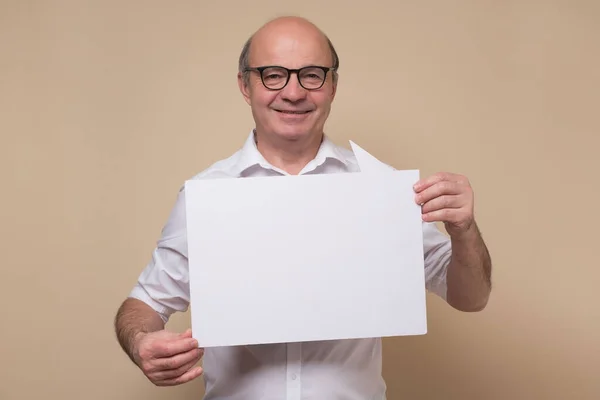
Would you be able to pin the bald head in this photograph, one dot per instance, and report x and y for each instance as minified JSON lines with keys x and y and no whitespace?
{"x":289,"y":22}
{"x":288,"y":78}
{"x":280,"y":36}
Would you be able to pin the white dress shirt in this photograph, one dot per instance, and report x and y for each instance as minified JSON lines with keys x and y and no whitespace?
{"x":320,"y":370}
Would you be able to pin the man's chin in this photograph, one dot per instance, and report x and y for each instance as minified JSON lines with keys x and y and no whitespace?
{"x":293,"y":135}
{"x":293,"y":131}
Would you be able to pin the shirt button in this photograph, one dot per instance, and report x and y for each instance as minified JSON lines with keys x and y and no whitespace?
{"x":293,"y":377}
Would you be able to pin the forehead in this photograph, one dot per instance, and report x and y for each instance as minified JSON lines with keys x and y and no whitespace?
{"x":291,"y":48}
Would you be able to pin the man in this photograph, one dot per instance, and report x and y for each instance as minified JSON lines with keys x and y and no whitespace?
{"x":290,"y":107}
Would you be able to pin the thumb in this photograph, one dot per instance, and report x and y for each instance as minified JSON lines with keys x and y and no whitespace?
{"x":187,"y":333}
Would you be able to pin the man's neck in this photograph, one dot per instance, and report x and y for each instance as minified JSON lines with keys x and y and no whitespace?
{"x":287,"y":155}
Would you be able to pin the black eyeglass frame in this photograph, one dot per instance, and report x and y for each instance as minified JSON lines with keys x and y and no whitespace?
{"x":289,"y":74}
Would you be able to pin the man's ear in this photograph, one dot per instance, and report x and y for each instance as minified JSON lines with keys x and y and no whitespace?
{"x":334,"y":84}
{"x":244,"y":88}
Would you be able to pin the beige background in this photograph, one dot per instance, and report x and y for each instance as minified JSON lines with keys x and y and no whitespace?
{"x":106,"y":107}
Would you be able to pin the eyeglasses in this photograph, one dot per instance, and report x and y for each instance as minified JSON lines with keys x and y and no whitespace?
{"x":276,"y":77}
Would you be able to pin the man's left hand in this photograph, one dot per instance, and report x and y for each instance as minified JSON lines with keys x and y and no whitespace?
{"x":448,"y":198}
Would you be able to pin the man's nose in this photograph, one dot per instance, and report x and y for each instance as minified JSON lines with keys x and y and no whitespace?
{"x":293,"y":91}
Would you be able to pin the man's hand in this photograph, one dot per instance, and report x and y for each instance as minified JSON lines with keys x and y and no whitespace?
{"x":168,"y":358}
{"x":447,"y":198}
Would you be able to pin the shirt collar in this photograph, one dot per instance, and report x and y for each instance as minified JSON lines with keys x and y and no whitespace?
{"x":250,"y":156}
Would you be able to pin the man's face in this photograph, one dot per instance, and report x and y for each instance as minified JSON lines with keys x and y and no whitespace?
{"x":292,"y":113}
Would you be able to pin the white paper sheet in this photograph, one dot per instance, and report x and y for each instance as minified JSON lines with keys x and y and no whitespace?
{"x":301,"y":258}
{"x":366,"y":162}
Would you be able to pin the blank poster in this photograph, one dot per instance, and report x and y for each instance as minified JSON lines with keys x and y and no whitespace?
{"x":302,"y":258}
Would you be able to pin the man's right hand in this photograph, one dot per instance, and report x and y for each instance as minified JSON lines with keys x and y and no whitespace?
{"x":168,"y":358}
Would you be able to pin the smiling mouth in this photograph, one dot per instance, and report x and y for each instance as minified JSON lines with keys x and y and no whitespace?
{"x":293,"y":112}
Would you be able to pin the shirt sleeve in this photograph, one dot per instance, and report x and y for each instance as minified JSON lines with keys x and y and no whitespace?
{"x":437,"y":252}
{"x":164,"y":282}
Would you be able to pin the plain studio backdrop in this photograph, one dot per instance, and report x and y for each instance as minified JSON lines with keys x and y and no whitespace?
{"x":106,"y":107}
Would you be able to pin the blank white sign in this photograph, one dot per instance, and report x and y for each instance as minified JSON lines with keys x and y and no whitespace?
{"x":302,"y":258}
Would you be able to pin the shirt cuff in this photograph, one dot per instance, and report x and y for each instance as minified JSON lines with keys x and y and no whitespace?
{"x":139,"y":293}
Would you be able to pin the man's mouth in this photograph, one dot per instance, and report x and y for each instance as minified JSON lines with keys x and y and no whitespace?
{"x":293,"y":112}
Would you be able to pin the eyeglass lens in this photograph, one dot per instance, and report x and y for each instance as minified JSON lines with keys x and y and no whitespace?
{"x":310,"y":78}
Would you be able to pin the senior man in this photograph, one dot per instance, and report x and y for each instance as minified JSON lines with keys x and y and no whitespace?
{"x":288,"y":76}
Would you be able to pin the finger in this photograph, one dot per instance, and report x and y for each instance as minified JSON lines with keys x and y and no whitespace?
{"x":170,"y":348}
{"x":451,"y":215}
{"x":437,"y":190}
{"x":178,"y":360}
{"x":439,"y":203}
{"x":186,"y":377}
{"x":174,"y":373}
{"x":432,"y":180}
